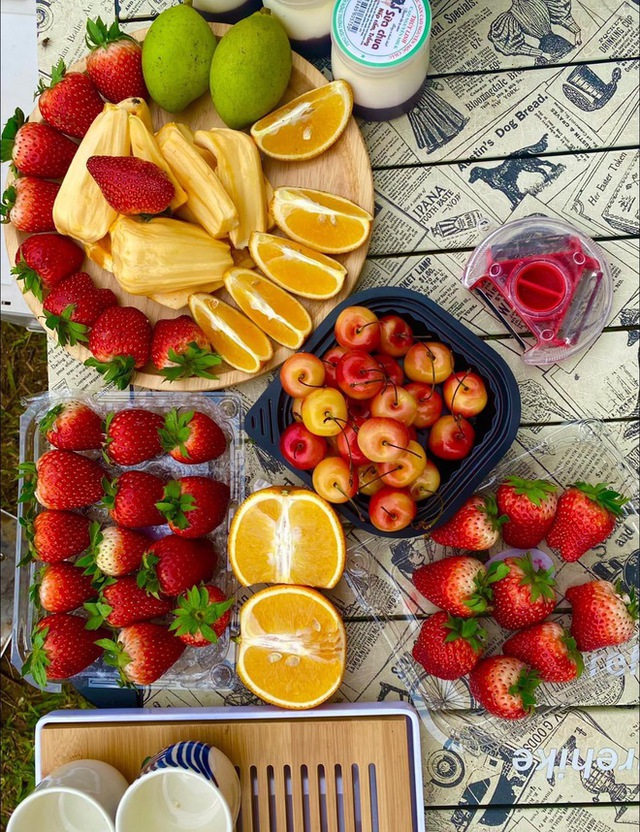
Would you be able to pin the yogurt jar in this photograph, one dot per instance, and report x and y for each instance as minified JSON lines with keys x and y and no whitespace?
{"x":306,"y":22}
{"x":381,"y":48}
{"x":226,"y":11}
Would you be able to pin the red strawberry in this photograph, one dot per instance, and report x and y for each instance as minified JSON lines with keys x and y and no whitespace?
{"x":202,"y":615}
{"x":120,"y":341}
{"x":43,"y":260}
{"x":172,"y":564}
{"x":55,"y":535}
{"x":72,"y":426}
{"x":74,"y":305}
{"x":36,"y":148}
{"x":529,"y":506}
{"x":133,"y":436}
{"x":28,"y":204}
{"x":64,"y":480}
{"x":113,"y":551}
{"x":525,"y":595}
{"x":504,"y":686}
{"x":449,"y":647}
{"x":61,"y":647}
{"x":192,"y":437}
{"x":143,"y":653}
{"x":123,"y":603}
{"x":70,"y":102}
{"x":63,"y":587}
{"x":603,"y":614}
{"x":131,"y":499}
{"x":131,"y":185}
{"x":547,"y":648}
{"x":114,"y":63}
{"x":194,"y":506}
{"x":459,"y":585}
{"x":475,"y":526}
{"x":586,"y":516}
{"x":180,"y":349}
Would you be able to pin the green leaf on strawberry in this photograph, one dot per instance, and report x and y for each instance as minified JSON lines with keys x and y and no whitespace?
{"x":27,"y":523}
{"x":115,"y":656}
{"x":147,"y":577}
{"x":468,"y":629}
{"x":118,"y":371}
{"x":99,"y":34}
{"x":525,"y":687}
{"x":605,"y":496}
{"x":68,"y":331}
{"x":196,"y":613}
{"x":57,"y":74}
{"x":175,"y":503}
{"x":88,"y":558}
{"x":37,"y":661}
{"x":28,"y":472}
{"x":98,"y":613}
{"x":535,"y":490}
{"x":176,"y":431}
{"x":8,"y":201}
{"x":194,"y":361}
{"x":9,"y":132}
{"x":31,"y":278}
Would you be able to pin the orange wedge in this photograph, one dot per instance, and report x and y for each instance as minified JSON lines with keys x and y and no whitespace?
{"x":306,"y":126}
{"x":292,"y":646}
{"x":324,"y":222}
{"x":295,"y":267}
{"x":278,"y":314}
{"x":233,"y":336}
{"x":287,"y":536}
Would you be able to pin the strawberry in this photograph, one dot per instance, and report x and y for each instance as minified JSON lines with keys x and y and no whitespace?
{"x":460,"y":585}
{"x":172,"y":564}
{"x":192,"y":437}
{"x":547,"y":648}
{"x":525,"y":595}
{"x":586,"y":516}
{"x":114,"y":63}
{"x":72,"y":426}
{"x":123,"y":603}
{"x":35,"y":148}
{"x":43,"y":260}
{"x":70,"y":102}
{"x":131,"y":185}
{"x":133,"y":436}
{"x":28,"y":204}
{"x":64,"y":480}
{"x":603,"y":614}
{"x":475,"y":526}
{"x":74,"y":305}
{"x":180,"y":349}
{"x":113,"y":551}
{"x":62,"y":587}
{"x":54,"y":536}
{"x":194,"y":506}
{"x":202,"y":615}
{"x":131,"y":499}
{"x":529,"y":506}
{"x":120,"y":341}
{"x":61,"y":647}
{"x":504,"y":686}
{"x":449,"y":647}
{"x":143,"y":653}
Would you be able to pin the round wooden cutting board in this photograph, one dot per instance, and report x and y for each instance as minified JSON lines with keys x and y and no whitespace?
{"x":344,"y":169}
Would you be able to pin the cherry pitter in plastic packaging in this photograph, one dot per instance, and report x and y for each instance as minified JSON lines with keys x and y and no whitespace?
{"x":552,"y":276}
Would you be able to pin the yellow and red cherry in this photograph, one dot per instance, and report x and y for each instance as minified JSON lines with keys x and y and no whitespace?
{"x":392,"y":370}
{"x":359,"y":375}
{"x":370,"y":480}
{"x":324,"y":412}
{"x":392,"y":509}
{"x":406,"y":468}
{"x":429,"y":404}
{"x":425,"y":484}
{"x":465,"y":393}
{"x":301,"y":373}
{"x":430,"y":362}
{"x":451,"y":437}
{"x":348,"y":448}
{"x":330,"y":360}
{"x":357,"y":328}
{"x":396,"y":336}
{"x":301,"y":448}
{"x":296,"y":408}
{"x":382,"y":440}
{"x":335,"y":480}
{"x":395,"y":403}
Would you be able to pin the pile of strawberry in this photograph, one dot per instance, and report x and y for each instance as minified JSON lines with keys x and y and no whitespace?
{"x":118,"y":577}
{"x":520,"y":593}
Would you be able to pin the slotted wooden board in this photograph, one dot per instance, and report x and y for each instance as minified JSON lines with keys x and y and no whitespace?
{"x":344,"y":169}
{"x":344,"y":774}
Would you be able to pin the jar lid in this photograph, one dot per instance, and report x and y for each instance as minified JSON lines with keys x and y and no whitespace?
{"x":381,"y":32}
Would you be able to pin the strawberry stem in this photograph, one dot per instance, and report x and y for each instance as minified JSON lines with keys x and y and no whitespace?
{"x":604,"y":496}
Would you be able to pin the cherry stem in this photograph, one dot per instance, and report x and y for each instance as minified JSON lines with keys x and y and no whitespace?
{"x":315,"y":386}
{"x":382,"y":476}
{"x":424,"y":526}
{"x":364,"y":326}
{"x":353,"y":505}
{"x":386,"y":511}
{"x":400,"y":448}
{"x":458,"y":386}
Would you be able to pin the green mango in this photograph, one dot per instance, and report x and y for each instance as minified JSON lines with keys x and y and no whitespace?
{"x":250,"y":69}
{"x":176,"y":57}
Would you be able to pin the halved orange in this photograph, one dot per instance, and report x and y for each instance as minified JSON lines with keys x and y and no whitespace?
{"x":306,"y":126}
{"x":278,"y":314}
{"x":295,"y":267}
{"x":234,"y":337}
{"x":292,"y":646}
{"x":286,"y":535}
{"x":324,"y":222}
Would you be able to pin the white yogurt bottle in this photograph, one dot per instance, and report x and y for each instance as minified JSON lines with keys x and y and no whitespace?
{"x":226,"y":11}
{"x":306,"y":22}
{"x":381,"y":48}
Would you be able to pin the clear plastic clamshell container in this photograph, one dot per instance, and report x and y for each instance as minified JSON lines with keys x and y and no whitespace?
{"x":210,"y":667}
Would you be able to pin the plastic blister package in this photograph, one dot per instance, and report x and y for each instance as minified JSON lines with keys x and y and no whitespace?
{"x":210,"y":667}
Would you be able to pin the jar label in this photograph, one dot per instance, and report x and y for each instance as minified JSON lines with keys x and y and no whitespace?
{"x":381,"y":32}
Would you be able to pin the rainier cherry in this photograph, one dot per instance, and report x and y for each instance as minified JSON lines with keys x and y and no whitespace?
{"x":427,"y":483}
{"x":382,"y":440}
{"x":348,"y":448}
{"x":335,"y":480}
{"x":359,"y":375}
{"x":370,"y":480}
{"x":395,"y":335}
{"x":324,"y":412}
{"x":429,"y":404}
{"x":451,"y":437}
{"x":392,"y":509}
{"x":301,"y":373}
{"x":392,"y":370}
{"x":465,"y":393}
{"x":430,"y":362}
{"x":301,"y":448}
{"x":357,"y":328}
{"x":395,"y":403}
{"x":330,"y":360}
{"x":404,"y":470}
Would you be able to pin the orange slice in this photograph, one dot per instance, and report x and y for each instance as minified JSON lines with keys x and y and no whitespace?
{"x":292,"y":646}
{"x":287,"y":536}
{"x":295,"y":267}
{"x":237,"y":340}
{"x":308,"y":125}
{"x":282,"y":317}
{"x":324,"y":222}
